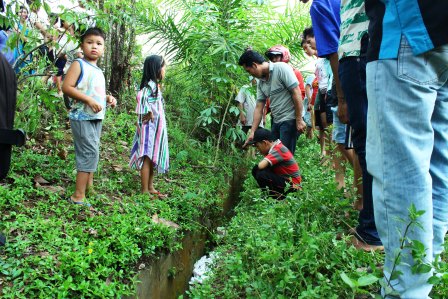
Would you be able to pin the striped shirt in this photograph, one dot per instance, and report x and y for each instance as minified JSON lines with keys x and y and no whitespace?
{"x":354,"y":25}
{"x":283,"y":163}
{"x":151,"y":137}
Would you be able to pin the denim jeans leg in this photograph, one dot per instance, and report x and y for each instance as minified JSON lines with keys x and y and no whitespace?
{"x":288,"y":134}
{"x":352,"y":73}
{"x":439,"y":169}
{"x":407,"y":127}
{"x":275,"y":131}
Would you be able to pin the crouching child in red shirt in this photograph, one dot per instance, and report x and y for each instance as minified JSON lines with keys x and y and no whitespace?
{"x":278,"y":171}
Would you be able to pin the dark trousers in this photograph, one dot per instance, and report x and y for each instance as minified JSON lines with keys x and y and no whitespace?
{"x":287,"y":132}
{"x":270,"y":181}
{"x":352,"y":73}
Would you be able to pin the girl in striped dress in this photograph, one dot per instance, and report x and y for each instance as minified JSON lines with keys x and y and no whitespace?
{"x":150,"y":146}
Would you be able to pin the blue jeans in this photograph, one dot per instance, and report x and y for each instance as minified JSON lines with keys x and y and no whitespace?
{"x":407,"y":155}
{"x":352,"y":73}
{"x":287,"y":132}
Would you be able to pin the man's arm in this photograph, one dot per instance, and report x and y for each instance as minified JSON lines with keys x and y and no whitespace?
{"x":309,"y":95}
{"x":308,"y":92}
{"x":296,"y":95}
{"x":263,"y":164}
{"x":342,"y":104}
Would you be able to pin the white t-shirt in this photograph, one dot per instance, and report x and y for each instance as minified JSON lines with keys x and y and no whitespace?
{"x":321,"y":75}
{"x":40,"y":17}
{"x":246,"y":98}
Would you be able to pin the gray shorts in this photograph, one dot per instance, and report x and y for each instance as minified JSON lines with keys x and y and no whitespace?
{"x":86,"y":136}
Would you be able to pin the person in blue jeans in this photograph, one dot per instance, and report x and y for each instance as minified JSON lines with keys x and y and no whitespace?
{"x":407,"y":136}
{"x":279,"y":83}
{"x":352,"y":74}
{"x":333,"y":43}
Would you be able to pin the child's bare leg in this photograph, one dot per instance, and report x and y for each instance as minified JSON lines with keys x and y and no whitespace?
{"x":323,"y":120}
{"x":151,"y":178}
{"x":342,"y":155}
{"x":322,"y":142}
{"x":145,"y":171}
{"x":59,"y":84}
{"x":323,"y":128}
{"x":82,"y":179}
{"x":313,"y":120}
{"x":338,"y":166}
{"x":347,"y":153}
{"x":151,"y":189}
{"x":357,"y":176}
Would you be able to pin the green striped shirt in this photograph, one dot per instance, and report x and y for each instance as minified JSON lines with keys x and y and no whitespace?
{"x":354,"y":24}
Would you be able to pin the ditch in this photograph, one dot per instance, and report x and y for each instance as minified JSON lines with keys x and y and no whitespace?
{"x":168,"y":275}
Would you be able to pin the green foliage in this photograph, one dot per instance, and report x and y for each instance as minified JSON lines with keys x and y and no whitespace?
{"x":296,"y":248}
{"x":291,"y":248}
{"x":57,"y":250}
{"x":204,"y":40}
{"x":36,"y":105}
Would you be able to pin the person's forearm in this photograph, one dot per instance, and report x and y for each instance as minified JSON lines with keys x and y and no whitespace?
{"x":263,"y":164}
{"x":41,"y":28}
{"x":308,"y":92}
{"x":75,"y":94}
{"x":334,"y":62}
{"x":298,"y":105}
{"x":258,"y":113}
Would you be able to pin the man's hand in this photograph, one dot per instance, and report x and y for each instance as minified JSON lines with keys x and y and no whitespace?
{"x":343,"y":113}
{"x":111,"y":101}
{"x":94,"y":105}
{"x":148,"y":117}
{"x":249,"y":138}
{"x":310,"y":107}
{"x":301,"y":125}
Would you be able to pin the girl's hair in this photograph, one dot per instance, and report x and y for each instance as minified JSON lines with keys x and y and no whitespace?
{"x":152,"y":69}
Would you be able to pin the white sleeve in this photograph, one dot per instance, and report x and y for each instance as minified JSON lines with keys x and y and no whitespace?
{"x":241,"y":96}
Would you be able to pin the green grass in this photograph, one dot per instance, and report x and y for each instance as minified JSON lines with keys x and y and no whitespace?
{"x":296,"y":248}
{"x":290,"y":249}
{"x":57,"y":250}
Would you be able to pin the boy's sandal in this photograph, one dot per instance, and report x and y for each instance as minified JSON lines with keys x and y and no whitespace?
{"x":81,"y":203}
{"x":86,"y":204}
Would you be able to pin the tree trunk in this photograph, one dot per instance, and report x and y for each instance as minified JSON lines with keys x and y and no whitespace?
{"x":122,"y":42}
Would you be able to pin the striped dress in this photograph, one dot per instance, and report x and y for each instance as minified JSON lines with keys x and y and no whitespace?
{"x":151,"y":138}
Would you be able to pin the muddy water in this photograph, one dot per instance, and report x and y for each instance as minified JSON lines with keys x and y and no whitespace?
{"x":167,"y":276}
